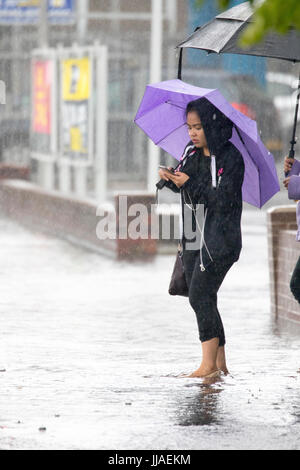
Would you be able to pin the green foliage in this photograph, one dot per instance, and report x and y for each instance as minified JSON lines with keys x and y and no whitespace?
{"x":276,"y":15}
{"x":271,"y":15}
{"x":222,"y":4}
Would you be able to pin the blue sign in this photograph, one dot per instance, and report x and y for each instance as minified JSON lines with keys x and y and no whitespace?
{"x":27,"y":11}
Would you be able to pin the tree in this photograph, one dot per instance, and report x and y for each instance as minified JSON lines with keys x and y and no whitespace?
{"x":270,"y":15}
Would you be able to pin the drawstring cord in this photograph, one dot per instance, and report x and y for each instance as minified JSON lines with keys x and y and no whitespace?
{"x":213,"y":171}
{"x":202,"y":239}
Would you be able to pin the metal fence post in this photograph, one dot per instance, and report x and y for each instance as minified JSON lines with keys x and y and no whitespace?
{"x":63,"y":166}
{"x":101,"y":133}
{"x":45,"y":168}
{"x":155,"y":76}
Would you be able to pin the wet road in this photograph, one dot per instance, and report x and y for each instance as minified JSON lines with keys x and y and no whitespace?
{"x":90,"y":350}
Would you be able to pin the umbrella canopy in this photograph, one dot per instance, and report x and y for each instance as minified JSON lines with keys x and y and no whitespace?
{"x":161,"y":115}
{"x":221,"y":35}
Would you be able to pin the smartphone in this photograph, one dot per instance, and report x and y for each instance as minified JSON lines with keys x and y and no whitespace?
{"x":167,"y":169}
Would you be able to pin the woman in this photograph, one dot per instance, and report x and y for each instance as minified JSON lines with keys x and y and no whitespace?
{"x":292,"y":184}
{"x":212,"y":175}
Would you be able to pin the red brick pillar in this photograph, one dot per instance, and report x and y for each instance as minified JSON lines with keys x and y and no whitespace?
{"x":127,"y":211}
{"x":283,"y":253}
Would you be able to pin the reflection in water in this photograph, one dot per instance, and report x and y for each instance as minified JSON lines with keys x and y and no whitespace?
{"x":201,"y":409}
{"x":285,"y":329}
{"x":295,"y":412}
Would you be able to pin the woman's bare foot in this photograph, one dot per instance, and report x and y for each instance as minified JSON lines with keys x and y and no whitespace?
{"x":224,"y":370}
{"x":202,"y":372}
{"x":221,"y":360}
{"x":209,"y":366}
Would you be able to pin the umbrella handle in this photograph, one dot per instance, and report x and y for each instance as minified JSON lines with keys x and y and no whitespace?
{"x":293,"y":141}
{"x":179,"y":64}
{"x":180,"y":58}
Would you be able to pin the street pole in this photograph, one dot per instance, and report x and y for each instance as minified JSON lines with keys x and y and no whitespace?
{"x":101,"y":135}
{"x":171,"y":60}
{"x":43,"y":25}
{"x":82,"y":18}
{"x":80,"y":172}
{"x":172,"y":7}
{"x":116,"y":7}
{"x":45,"y":169}
{"x":155,"y":76}
{"x":64,"y":168}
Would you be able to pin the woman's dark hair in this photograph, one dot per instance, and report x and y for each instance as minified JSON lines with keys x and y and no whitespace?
{"x":217,"y":127}
{"x":194,"y":106}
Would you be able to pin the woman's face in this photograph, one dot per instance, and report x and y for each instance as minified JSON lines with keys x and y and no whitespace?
{"x":195,"y":129}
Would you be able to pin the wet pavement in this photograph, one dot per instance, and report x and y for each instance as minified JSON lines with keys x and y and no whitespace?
{"x":91,"y":350}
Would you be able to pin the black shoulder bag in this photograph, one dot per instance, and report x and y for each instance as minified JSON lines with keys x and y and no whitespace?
{"x":178,"y":284}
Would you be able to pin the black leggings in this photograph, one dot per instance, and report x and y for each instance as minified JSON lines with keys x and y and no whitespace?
{"x":295,"y":281}
{"x":203,"y":288}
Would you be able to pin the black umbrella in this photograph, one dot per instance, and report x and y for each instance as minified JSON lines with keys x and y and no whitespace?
{"x":221,"y":35}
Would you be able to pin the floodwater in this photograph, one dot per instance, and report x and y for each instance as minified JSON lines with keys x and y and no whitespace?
{"x":91,"y":350}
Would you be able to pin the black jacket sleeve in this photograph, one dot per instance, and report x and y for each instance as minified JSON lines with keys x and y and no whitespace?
{"x":224,"y":196}
{"x":169,"y":184}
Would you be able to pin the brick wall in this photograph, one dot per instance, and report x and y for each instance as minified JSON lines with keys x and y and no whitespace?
{"x":283,"y":253}
{"x":10,"y":170}
{"x":72,"y":218}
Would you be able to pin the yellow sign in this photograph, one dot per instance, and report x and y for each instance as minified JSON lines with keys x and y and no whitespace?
{"x":36,"y":3}
{"x":76,"y":143}
{"x":29,"y":3}
{"x":76,"y":79}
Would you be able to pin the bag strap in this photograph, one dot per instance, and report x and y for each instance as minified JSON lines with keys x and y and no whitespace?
{"x":186,"y":154}
{"x":213,"y":171}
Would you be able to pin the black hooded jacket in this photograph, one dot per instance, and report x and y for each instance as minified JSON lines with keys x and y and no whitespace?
{"x":223,"y":203}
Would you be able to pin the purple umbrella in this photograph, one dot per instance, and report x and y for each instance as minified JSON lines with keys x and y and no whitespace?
{"x":161,"y":115}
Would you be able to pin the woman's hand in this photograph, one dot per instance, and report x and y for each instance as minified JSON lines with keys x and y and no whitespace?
{"x":288,"y":163}
{"x":179,"y":178}
{"x":286,"y":182}
{"x":164,"y":174}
